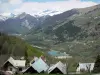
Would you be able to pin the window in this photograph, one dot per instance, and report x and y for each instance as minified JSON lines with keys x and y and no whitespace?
{"x":10,"y":69}
{"x":20,"y":69}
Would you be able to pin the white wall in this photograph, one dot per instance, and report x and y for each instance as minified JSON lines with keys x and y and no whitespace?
{"x":13,"y":69}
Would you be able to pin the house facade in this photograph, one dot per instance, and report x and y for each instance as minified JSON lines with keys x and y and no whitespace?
{"x":58,"y":68}
{"x":13,"y":65}
{"x":85,"y":67}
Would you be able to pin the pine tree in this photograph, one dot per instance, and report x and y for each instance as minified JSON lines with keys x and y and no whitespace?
{"x":97,"y":65}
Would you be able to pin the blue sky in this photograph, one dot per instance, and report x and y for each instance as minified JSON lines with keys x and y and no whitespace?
{"x":35,"y":7}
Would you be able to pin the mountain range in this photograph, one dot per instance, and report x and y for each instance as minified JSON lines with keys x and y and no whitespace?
{"x":19,"y":24}
{"x":76,"y":31}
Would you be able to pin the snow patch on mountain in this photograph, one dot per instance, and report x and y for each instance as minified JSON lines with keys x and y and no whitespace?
{"x":3,"y":18}
{"x":35,"y":14}
{"x":22,"y":15}
{"x":26,"y":24}
{"x":47,"y":12}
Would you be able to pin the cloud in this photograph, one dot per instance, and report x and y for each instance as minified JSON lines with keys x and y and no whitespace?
{"x":38,"y":7}
{"x":15,"y":1}
{"x":61,"y":6}
{"x":7,"y":6}
{"x":6,"y":14}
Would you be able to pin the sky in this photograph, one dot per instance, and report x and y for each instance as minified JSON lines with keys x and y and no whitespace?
{"x":38,"y":7}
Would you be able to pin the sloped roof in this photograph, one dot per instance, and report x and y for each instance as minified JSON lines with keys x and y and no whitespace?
{"x":40,"y":65}
{"x":27,"y":70}
{"x":20,"y":63}
{"x":16,"y":63}
{"x":85,"y":66}
{"x":60,"y":66}
{"x":33,"y":60}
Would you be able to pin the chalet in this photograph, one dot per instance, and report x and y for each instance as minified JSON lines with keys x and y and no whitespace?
{"x":85,"y":67}
{"x":13,"y":65}
{"x":39,"y":66}
{"x":58,"y":68}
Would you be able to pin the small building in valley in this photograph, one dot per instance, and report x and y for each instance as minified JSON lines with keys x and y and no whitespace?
{"x":63,"y":57}
{"x":58,"y":68}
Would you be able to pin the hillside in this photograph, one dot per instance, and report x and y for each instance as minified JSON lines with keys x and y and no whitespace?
{"x":77,"y":34}
{"x":10,"y":45}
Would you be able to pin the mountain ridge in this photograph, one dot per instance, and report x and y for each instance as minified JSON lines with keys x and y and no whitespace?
{"x":77,"y":34}
{"x":76,"y":31}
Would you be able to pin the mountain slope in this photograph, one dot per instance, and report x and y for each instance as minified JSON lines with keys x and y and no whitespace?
{"x":79,"y":23}
{"x":76,"y":31}
{"x":78,"y":34}
{"x":10,"y":45}
{"x":47,"y":25}
{"x":24,"y":23}
{"x":19,"y":24}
